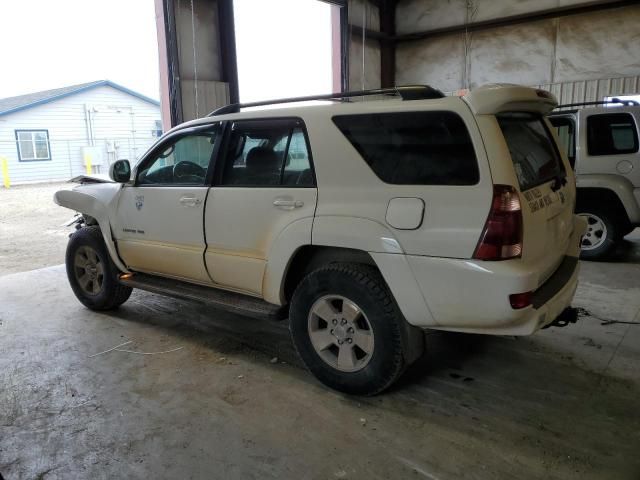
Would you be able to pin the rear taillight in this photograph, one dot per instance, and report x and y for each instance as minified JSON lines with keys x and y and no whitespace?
{"x":502,"y":235}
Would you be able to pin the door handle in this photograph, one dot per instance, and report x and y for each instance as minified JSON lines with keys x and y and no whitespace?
{"x":190,"y":201}
{"x":287,"y":204}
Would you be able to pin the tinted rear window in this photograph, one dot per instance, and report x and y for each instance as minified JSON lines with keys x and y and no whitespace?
{"x":413,"y":148}
{"x":533,"y":152}
{"x":611,"y":134}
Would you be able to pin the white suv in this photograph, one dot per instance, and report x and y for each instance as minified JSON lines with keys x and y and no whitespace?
{"x":363,"y":222}
{"x":601,"y":142}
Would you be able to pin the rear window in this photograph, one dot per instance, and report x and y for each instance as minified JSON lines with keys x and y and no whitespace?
{"x":413,"y":148}
{"x":533,"y":152}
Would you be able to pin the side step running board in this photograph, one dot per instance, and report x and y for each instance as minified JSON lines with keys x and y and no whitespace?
{"x":221,"y":299}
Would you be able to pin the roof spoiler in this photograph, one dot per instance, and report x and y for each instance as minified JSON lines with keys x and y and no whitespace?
{"x":497,"y":98}
{"x":407,"y":92}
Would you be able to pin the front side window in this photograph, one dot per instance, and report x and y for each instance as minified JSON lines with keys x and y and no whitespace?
{"x":184,"y":161}
{"x":413,"y":148}
{"x":267,"y":153}
{"x":611,"y":134}
{"x":33,"y":145}
{"x":533,"y":151}
{"x":565,"y":129}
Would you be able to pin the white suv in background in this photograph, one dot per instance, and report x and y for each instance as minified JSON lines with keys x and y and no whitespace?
{"x":601,"y":142}
{"x":363,"y":222}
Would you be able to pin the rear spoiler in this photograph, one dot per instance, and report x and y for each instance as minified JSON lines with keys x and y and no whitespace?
{"x":498,"y":98}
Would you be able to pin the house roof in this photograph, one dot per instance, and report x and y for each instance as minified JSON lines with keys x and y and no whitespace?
{"x":22,"y":102}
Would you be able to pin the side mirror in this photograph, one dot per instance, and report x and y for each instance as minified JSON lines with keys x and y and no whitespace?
{"x":120,"y":171}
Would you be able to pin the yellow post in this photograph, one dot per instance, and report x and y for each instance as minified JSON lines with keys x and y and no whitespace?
{"x":87,"y":162}
{"x":5,"y":173}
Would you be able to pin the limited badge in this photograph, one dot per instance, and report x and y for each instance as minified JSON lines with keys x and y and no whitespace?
{"x":139,"y":201}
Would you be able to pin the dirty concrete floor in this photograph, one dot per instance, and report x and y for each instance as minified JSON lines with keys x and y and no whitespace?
{"x":31,"y":235}
{"x":562,"y":404}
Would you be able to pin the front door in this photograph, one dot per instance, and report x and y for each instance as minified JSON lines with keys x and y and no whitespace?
{"x":265,"y":184}
{"x":159,"y":219}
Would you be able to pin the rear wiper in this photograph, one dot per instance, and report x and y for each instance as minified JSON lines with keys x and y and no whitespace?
{"x":559,"y":181}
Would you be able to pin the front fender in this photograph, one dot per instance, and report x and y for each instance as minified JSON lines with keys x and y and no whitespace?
{"x":95,"y":201}
{"x":619,"y":185}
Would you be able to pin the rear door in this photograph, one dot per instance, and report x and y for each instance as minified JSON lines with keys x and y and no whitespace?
{"x":548,"y":193}
{"x":264,"y":184}
{"x":610,"y":144}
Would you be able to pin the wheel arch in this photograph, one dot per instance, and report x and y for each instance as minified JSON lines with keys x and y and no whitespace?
{"x":599,"y":196}
{"x":94,"y":207}
{"x":609,"y":188}
{"x":310,"y":257}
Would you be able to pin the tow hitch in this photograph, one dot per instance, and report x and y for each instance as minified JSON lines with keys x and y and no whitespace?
{"x":569,"y":315}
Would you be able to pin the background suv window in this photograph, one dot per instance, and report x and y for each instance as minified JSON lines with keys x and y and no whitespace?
{"x":611,"y":134}
{"x":267,"y":153}
{"x":566,"y":135}
{"x":413,"y":148}
{"x":182,"y":162}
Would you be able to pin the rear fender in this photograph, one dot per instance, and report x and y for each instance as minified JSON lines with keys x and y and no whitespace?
{"x":619,"y":185}
{"x":96,"y":201}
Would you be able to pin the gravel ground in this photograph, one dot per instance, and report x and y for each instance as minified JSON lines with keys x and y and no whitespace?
{"x":31,"y":235}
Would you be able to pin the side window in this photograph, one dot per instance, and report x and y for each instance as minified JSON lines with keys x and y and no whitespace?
{"x":611,"y":134}
{"x":297,"y":168}
{"x":565,"y":129}
{"x":267,"y":153}
{"x":185,"y":161}
{"x":413,"y":148}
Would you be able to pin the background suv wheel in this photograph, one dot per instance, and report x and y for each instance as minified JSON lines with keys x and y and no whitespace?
{"x":603,"y":232}
{"x":348,"y":330}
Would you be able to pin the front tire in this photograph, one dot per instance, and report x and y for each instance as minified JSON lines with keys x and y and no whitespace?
{"x":91,"y":273}
{"x":603,"y":233}
{"x":349,"y":331}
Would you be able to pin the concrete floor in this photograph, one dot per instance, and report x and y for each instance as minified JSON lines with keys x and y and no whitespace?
{"x":562,"y":404}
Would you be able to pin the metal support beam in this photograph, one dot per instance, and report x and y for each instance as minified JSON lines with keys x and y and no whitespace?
{"x":387,"y":49}
{"x":557,"y":12}
{"x":173,"y":65}
{"x":228,"y":48}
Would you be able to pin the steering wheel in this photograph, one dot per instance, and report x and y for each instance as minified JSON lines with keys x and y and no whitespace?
{"x":188,"y":172}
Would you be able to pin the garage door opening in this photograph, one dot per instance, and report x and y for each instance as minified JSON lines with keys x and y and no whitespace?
{"x":285,"y":48}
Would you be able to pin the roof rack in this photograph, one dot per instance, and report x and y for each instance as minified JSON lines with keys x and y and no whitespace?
{"x":408,"y":92}
{"x":626,"y":103}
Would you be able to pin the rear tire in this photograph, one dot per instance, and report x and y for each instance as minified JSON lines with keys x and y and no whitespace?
{"x":91,"y":273}
{"x":349,"y":331}
{"x":604,"y":230}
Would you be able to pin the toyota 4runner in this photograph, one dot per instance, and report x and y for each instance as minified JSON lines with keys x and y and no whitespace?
{"x":362,"y":222}
{"x":602,"y":145}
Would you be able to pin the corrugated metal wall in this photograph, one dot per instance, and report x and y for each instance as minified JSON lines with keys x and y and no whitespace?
{"x":593,"y":90}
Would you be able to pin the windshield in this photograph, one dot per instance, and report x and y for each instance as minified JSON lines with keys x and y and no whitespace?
{"x":534,"y":155}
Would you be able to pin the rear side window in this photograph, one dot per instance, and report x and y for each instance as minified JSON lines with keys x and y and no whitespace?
{"x":267,"y":153}
{"x":413,"y":148}
{"x":611,"y":134}
{"x":535,"y":157}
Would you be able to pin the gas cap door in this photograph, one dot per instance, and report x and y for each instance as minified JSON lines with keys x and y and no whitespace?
{"x":405,"y":213}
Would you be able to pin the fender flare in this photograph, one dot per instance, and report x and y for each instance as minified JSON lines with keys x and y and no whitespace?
{"x":94,"y":207}
{"x":620,"y":186}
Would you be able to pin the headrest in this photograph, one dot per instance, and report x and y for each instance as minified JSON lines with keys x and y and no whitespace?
{"x":262,"y":159}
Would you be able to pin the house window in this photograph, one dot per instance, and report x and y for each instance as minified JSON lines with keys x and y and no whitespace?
{"x":33,"y":145}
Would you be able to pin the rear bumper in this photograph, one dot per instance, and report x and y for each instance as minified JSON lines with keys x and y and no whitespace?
{"x":464,"y":298}
{"x":473,"y":296}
